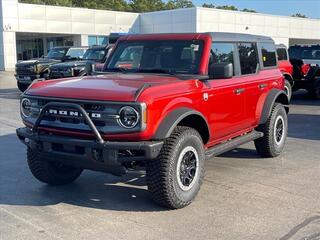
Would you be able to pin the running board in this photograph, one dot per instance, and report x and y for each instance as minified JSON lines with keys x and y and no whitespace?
{"x":232,"y":144}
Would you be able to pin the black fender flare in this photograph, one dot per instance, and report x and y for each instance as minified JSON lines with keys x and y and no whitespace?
{"x":172,"y":120}
{"x":269,"y":102}
{"x":287,"y":75}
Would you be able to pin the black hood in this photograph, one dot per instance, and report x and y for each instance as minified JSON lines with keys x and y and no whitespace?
{"x":36,"y":61}
{"x":71,"y":64}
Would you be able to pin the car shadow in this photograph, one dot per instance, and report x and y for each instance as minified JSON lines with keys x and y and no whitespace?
{"x":304,"y":126}
{"x":243,"y":153}
{"x":10,"y":93}
{"x":302,"y":98}
{"x":91,"y":190}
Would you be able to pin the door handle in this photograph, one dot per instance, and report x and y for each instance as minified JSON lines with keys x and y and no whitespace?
{"x":262,"y":86}
{"x":239,"y":91}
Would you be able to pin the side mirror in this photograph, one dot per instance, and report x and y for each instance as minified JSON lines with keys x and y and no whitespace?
{"x":220,"y":70}
{"x":90,"y":68}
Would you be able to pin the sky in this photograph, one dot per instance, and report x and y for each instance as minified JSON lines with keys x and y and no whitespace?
{"x":310,"y":8}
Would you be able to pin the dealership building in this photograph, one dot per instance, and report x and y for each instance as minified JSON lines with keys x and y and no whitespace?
{"x":29,"y":31}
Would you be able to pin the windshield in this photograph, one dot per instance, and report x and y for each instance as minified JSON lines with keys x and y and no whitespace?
{"x":76,"y":53}
{"x":163,"y":56}
{"x":96,"y":54}
{"x":312,"y":53}
{"x":57,"y":53}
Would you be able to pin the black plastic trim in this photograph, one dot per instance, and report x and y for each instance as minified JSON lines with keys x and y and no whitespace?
{"x":269,"y":103}
{"x":172,"y":120}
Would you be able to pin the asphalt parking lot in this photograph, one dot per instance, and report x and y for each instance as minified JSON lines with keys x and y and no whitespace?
{"x":243,"y":195}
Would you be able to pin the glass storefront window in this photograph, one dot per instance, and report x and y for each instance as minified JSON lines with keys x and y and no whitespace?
{"x":97,"y":40}
{"x":29,"y":48}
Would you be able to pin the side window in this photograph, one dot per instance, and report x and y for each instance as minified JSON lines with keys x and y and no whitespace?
{"x":269,"y":56}
{"x":282,"y":54}
{"x":222,"y":53}
{"x":248,"y":58}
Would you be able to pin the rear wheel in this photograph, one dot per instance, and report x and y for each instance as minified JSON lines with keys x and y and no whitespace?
{"x":52,"y":173}
{"x":22,"y":86}
{"x":175,"y":177}
{"x":275,"y":132}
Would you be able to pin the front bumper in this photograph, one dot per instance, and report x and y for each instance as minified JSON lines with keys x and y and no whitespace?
{"x":89,"y":154}
{"x":26,"y":79}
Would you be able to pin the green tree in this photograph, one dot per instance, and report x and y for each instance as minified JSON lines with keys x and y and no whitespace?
{"x":248,"y":10}
{"x":208,"y":5}
{"x":174,"y":4}
{"x":49,"y":2}
{"x":300,"y":15}
{"x":227,"y":7}
{"x":146,"y":5}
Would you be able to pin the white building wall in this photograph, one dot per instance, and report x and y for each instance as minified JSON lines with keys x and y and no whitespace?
{"x":180,"y":20}
{"x":51,"y":19}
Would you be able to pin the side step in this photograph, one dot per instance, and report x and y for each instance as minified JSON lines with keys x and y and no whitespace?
{"x":232,"y":144}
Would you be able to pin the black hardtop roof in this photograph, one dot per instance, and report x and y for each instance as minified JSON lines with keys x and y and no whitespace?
{"x":68,"y":47}
{"x":239,"y":37}
{"x":305,"y":45}
{"x":281,"y":46}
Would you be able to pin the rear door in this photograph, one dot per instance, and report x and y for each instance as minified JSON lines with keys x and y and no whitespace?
{"x":226,"y":99}
{"x":255,"y":83}
{"x":259,"y":83}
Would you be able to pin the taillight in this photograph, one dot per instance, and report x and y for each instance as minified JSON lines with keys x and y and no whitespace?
{"x":305,"y":69}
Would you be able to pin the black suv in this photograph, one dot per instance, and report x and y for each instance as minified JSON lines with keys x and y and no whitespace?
{"x":95,"y":55}
{"x":306,"y":68}
{"x":29,"y":70}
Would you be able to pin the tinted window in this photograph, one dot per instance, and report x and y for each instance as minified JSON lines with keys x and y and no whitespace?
{"x":222,"y":53}
{"x":179,"y":56}
{"x":96,"y":54}
{"x":282,"y":54}
{"x":248,"y":58}
{"x":76,"y":52}
{"x":57,"y":53}
{"x":295,"y":52}
{"x":269,"y":57}
{"x":307,"y":52}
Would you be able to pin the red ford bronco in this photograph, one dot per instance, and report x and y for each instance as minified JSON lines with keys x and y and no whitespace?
{"x":286,"y":68}
{"x":164,"y":102}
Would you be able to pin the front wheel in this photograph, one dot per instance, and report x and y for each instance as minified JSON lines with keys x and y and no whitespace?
{"x":52,"y":173}
{"x":175,"y":177}
{"x":275,"y":132}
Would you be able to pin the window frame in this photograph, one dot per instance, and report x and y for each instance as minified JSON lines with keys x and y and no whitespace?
{"x":258,"y":55}
{"x":262,"y":67}
{"x":236,"y":63}
{"x":286,"y":51}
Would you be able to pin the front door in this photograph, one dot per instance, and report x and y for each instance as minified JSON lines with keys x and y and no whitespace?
{"x":226,"y":97}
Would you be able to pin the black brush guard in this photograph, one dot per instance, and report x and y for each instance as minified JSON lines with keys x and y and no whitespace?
{"x":98,"y":154}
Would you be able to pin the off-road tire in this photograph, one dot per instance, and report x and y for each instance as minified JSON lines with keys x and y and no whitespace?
{"x":288,"y":89}
{"x":52,"y":173}
{"x":22,"y":86}
{"x":162,"y":173}
{"x":267,"y":146}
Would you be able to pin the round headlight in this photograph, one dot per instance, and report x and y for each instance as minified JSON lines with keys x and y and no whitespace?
{"x":129,"y":117}
{"x":25,"y":107}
